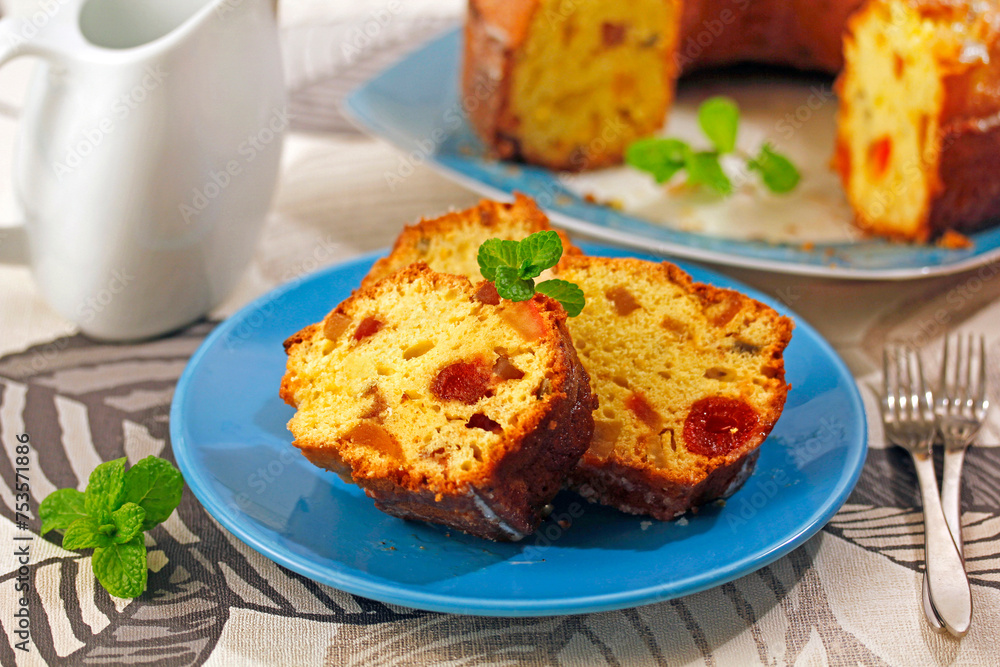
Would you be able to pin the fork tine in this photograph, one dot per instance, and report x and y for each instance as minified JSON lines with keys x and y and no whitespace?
{"x":909,"y":391}
{"x":892,"y":384}
{"x":965,"y":368}
{"x":888,"y":399}
{"x":905,"y":389}
{"x":923,"y":402}
{"x":981,"y":386}
{"x":944,"y":394}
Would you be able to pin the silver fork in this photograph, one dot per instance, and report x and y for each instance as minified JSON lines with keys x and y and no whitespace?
{"x":908,"y":419}
{"x":960,"y":406}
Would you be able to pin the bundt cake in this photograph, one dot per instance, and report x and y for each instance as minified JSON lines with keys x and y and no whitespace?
{"x":449,"y":243}
{"x":570,"y":85}
{"x":918,"y":146}
{"x":690,"y":380}
{"x":443,"y":402}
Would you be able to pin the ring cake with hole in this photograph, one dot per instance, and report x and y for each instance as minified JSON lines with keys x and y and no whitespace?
{"x":444,"y":403}
{"x":570,"y":85}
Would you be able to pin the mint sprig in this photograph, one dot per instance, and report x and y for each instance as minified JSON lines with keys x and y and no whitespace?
{"x":718,"y":118}
{"x":111,"y":515}
{"x":512,"y":266}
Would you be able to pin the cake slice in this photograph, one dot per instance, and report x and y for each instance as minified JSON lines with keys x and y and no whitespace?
{"x":918,"y":144}
{"x":690,"y":380}
{"x":449,"y":243}
{"x":669,"y":360}
{"x":443,"y":402}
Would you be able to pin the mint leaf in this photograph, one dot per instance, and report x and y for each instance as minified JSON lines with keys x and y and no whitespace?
{"x":538,"y":252}
{"x":121,"y":568}
{"x":84,"y":534}
{"x":776,"y":170}
{"x":511,"y":286}
{"x":155,"y":485}
{"x":719,"y":118}
{"x":494,"y":253}
{"x":105,"y":492}
{"x":127,"y":520}
{"x":566,"y":293}
{"x":61,"y":508}
{"x":660,"y":157}
{"x":703,"y":168}
{"x":512,"y":266}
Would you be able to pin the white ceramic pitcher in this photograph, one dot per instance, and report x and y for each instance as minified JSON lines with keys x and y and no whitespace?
{"x":147,"y":155}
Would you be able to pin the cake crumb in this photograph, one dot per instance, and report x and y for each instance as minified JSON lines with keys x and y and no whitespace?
{"x":564,"y":524}
{"x":952,"y":240}
{"x":683,"y":521}
{"x":645,"y":524}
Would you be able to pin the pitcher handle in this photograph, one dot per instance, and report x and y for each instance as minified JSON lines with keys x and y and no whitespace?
{"x":17,"y":38}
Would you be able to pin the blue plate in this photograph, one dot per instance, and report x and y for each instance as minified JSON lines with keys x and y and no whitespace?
{"x":227,"y":426}
{"x":416,"y":106}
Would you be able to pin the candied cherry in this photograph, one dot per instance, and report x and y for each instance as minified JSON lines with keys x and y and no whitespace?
{"x":715,"y":426}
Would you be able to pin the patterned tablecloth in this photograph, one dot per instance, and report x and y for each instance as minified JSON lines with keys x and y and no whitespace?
{"x":850,"y":595}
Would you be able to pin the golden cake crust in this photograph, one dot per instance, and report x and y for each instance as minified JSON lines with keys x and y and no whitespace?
{"x":508,"y":220}
{"x":503,"y":497}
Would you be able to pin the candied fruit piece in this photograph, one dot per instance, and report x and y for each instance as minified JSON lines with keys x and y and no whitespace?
{"x":612,"y":34}
{"x":462,"y":381}
{"x":605,"y":435}
{"x":505,"y":370}
{"x":334,"y":325}
{"x":723,"y":311}
{"x":378,"y":405}
{"x":525,"y":318}
{"x":624,"y":302}
{"x":487,"y":293}
{"x":879,"y":154}
{"x":368,"y":327}
{"x":715,"y":426}
{"x":638,"y":404}
{"x":373,"y":436}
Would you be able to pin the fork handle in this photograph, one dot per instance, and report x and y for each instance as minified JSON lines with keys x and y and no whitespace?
{"x":947,"y":582}
{"x":951,"y":492}
{"x":951,"y":503}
